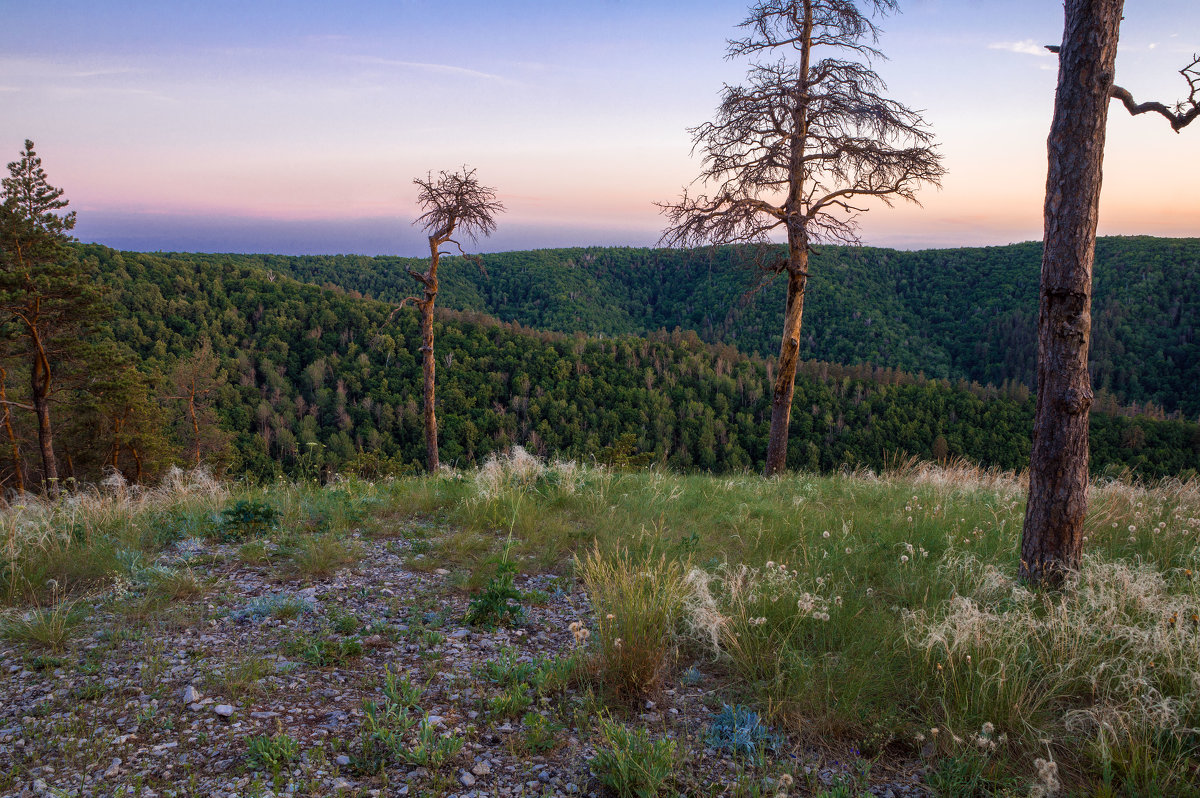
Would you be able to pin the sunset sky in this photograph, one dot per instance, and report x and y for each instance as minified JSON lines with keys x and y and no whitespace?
{"x":297,"y":127}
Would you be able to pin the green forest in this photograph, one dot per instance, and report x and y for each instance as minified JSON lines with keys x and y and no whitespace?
{"x":229,"y":361}
{"x":954,"y":314}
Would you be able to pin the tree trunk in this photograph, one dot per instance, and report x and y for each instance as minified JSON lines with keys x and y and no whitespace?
{"x":431,"y":289}
{"x":789,"y":354}
{"x":40,"y":389}
{"x":195,"y":422}
{"x":1052,"y":539}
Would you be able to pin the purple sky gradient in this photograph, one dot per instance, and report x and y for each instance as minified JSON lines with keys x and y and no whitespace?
{"x":297,"y":127}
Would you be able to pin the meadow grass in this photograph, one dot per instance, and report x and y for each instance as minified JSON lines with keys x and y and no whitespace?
{"x":881,"y":612}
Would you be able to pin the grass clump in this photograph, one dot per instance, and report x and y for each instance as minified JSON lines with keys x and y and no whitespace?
{"x":639,"y":607}
{"x":327,"y":652}
{"x":630,"y":764}
{"x":47,"y":628}
{"x":1117,"y":635}
{"x":240,"y":677}
{"x":317,"y":556}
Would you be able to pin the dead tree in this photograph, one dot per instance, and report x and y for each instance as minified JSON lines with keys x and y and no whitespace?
{"x":452,"y":203}
{"x":798,"y":151}
{"x":1052,"y":536}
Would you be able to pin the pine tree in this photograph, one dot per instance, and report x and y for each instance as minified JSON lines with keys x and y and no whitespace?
{"x":47,"y":296}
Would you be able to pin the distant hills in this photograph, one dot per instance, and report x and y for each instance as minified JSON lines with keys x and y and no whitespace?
{"x":949,"y":313}
{"x":308,"y":379}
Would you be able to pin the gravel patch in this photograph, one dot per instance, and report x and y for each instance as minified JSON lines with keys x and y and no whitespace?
{"x":170,"y":705}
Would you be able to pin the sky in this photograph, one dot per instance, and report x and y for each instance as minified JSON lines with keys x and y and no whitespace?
{"x":297,"y":127}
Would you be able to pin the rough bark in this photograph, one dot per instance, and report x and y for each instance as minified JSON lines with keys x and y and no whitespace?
{"x":191,"y":405}
{"x":1051,"y":542}
{"x":785,"y":373}
{"x":40,"y":390}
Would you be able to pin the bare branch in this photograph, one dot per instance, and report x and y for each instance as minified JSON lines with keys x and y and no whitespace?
{"x":1184,"y":111}
{"x":1181,"y":115}
{"x":789,"y":150}
{"x":456,"y":202}
{"x":408,"y":299}
{"x":423,"y":279}
{"x":833,"y":23}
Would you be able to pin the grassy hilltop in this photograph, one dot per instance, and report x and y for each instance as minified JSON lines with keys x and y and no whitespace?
{"x":835,"y":632}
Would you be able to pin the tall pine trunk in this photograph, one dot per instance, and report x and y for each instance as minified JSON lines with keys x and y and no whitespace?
{"x":1052,"y":539}
{"x":789,"y":354}
{"x":431,"y":289}
{"x":40,"y":390}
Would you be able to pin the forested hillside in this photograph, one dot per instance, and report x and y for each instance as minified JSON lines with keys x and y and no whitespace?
{"x":953,"y":314}
{"x":262,"y":374}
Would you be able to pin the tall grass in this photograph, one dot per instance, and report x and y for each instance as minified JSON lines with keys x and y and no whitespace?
{"x":638,"y":605}
{"x":77,"y":541}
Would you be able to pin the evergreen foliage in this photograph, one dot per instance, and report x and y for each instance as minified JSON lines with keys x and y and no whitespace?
{"x":968,"y":313}
{"x":306,"y":381}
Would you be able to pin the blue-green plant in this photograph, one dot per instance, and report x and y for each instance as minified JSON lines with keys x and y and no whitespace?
{"x":739,"y":729}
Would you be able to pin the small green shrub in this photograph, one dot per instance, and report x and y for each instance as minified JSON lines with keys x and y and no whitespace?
{"x":381,"y":739}
{"x":630,"y":764}
{"x":431,"y":750}
{"x":344,"y":623}
{"x":552,"y":676}
{"x":540,"y":733}
{"x":272,"y":753}
{"x":400,"y":691}
{"x":505,"y":670}
{"x":499,"y":604}
{"x":510,"y":703}
{"x":327,"y":653}
{"x":245,"y":518}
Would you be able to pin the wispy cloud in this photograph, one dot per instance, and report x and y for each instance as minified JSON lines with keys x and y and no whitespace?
{"x":1023,"y":47}
{"x":445,"y":69}
{"x":53,"y":69}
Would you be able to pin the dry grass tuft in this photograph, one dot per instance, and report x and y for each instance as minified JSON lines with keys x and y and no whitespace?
{"x":639,"y":606}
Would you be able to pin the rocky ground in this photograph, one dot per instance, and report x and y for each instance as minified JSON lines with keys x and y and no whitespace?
{"x":362,"y":682}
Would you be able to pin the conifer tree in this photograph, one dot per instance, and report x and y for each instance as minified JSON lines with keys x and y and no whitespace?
{"x":453,"y":203}
{"x":798,"y":151}
{"x":47,"y":297}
